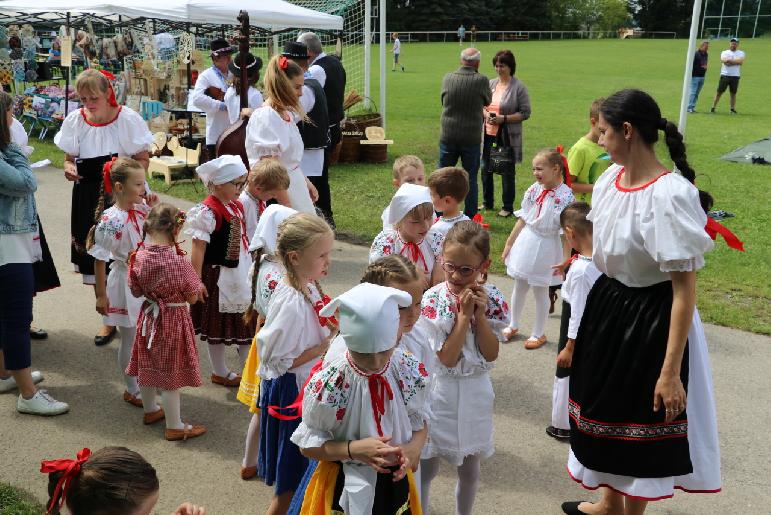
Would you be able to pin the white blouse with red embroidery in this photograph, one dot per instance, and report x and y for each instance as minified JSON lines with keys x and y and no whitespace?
{"x":126,"y":135}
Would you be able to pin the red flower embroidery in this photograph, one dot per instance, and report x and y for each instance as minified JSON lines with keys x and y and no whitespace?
{"x":428,"y":312}
{"x":105,"y":218}
{"x":422,"y":370}
{"x":340,"y":413}
{"x":401,"y":384}
{"x":387,"y":249}
{"x":272,"y":285}
{"x":317,"y":386}
{"x":118,"y":235}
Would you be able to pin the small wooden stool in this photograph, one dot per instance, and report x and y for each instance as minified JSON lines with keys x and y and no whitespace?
{"x":167,"y":165}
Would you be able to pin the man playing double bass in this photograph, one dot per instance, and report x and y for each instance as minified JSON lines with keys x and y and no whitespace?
{"x":209,"y":93}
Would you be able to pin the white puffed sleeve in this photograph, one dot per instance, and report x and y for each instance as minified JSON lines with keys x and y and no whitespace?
{"x":528,"y":200}
{"x":438,"y":315}
{"x":325,"y":402}
{"x":382,"y":245}
{"x":435,"y":239}
{"x":413,"y":382}
{"x":673,"y":228}
{"x":497,"y":312}
{"x":135,"y":136}
{"x":67,"y":138}
{"x":200,"y":223}
{"x":280,"y":338}
{"x":264,"y":135}
{"x":107,"y":235}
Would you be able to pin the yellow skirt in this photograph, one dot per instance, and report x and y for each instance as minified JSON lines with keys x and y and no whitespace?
{"x":319,"y":495}
{"x":249,"y":389}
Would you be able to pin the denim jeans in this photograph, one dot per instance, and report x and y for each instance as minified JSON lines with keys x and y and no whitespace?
{"x":469,"y":156}
{"x":488,"y":181}
{"x":696,"y":84}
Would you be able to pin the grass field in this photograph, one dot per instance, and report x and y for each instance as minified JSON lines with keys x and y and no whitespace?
{"x":14,"y":501}
{"x":563,"y":77}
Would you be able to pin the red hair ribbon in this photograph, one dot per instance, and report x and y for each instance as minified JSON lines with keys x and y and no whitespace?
{"x":275,"y":411}
{"x":180,"y":250}
{"x":106,"y":175}
{"x":568,"y":178}
{"x":283,"y":62}
{"x":479,"y":219}
{"x":70,"y":470}
{"x":323,"y":321}
{"x":714,"y":228}
{"x":110,"y":78}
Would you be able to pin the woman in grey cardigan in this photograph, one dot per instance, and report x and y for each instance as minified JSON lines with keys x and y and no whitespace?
{"x":510,"y":106}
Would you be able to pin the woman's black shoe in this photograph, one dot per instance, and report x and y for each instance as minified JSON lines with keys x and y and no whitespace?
{"x":37,"y":334}
{"x":562,"y":435}
{"x":104,"y":340}
{"x":571,"y":508}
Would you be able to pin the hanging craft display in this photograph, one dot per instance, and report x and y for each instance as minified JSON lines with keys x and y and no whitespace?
{"x":66,"y":46}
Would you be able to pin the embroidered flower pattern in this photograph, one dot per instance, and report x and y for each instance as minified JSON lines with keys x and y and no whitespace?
{"x":267,"y":286}
{"x":412,"y":376}
{"x":331,"y":388}
{"x":383,"y":245}
{"x":340,"y":413}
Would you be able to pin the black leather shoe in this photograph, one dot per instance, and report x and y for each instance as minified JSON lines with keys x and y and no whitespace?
{"x":104,"y":340}
{"x":562,"y":435}
{"x":571,"y":508}
{"x":37,"y":334}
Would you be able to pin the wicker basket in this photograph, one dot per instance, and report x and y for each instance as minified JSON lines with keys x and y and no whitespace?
{"x":353,"y":128}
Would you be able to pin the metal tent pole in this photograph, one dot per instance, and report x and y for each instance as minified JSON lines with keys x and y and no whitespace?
{"x":382,"y":15}
{"x":689,"y":66}
{"x":367,"y":50}
{"x":69,"y":69}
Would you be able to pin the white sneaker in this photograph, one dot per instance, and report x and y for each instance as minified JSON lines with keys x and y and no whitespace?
{"x":6,"y":385}
{"x":41,"y":404}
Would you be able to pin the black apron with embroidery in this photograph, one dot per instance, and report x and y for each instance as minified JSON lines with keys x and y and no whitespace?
{"x":617,"y":361}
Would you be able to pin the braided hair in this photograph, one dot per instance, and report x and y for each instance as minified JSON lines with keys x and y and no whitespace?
{"x":296,"y":234}
{"x":391,"y":269}
{"x":117,"y":171}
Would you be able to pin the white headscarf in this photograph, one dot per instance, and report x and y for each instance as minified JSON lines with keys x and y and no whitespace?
{"x":266,"y":234}
{"x":407,"y":197}
{"x":221,"y":170}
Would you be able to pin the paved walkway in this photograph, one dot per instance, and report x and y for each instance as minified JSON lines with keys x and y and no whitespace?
{"x":526,"y":474}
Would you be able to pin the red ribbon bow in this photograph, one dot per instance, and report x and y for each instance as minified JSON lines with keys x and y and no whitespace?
{"x":714,"y":228}
{"x":106,"y":175}
{"x":111,"y":78}
{"x":70,"y":469}
{"x":283,"y":62}
{"x":540,"y":199}
{"x":323,"y":321}
{"x":378,"y":389}
{"x":479,"y":219}
{"x":568,"y":178}
{"x":415,"y":254}
{"x":297,"y":404}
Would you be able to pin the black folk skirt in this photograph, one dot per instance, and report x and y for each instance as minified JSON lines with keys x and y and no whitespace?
{"x":617,"y":361}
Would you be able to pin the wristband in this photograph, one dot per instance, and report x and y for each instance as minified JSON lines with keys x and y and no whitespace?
{"x":349,"y":450}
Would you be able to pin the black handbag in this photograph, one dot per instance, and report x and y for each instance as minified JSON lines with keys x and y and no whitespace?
{"x":502,"y":153}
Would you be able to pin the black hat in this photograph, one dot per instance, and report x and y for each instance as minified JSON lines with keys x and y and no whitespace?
{"x":221,"y":46}
{"x":253,"y":65}
{"x":295,"y":50}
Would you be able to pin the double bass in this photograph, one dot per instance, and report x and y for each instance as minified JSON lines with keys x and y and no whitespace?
{"x":233,"y":140}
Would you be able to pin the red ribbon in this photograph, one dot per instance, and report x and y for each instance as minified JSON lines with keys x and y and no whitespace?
{"x":132,"y":217}
{"x":714,"y":228}
{"x":111,"y":78}
{"x":415,"y":254}
{"x":106,"y":175}
{"x":283,"y":62}
{"x":568,"y":178}
{"x":378,"y":389}
{"x":70,"y":469}
{"x":480,"y":220}
{"x":539,"y":201}
{"x":297,"y":404}
{"x":323,"y":321}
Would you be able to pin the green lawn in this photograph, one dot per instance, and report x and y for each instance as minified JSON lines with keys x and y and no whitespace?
{"x":14,"y":501}
{"x":563,"y":77}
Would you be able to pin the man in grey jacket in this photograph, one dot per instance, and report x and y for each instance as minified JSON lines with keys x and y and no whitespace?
{"x":465,"y":92}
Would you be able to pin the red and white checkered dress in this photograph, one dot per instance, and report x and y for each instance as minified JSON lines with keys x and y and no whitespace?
{"x":171,"y":361}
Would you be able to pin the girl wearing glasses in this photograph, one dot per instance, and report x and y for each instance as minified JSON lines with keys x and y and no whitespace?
{"x":221,"y":258}
{"x":465,"y":317}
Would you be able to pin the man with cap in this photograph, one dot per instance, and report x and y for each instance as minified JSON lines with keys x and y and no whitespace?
{"x":364,"y":407}
{"x":329,"y":71}
{"x":730,"y":71}
{"x":209,"y":92}
{"x":315,"y":134}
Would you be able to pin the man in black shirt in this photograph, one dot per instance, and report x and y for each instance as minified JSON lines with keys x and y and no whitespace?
{"x":697,"y":74}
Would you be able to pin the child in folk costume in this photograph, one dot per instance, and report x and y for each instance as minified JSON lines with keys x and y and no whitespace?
{"x":465,"y":317}
{"x":642,"y":408}
{"x":582,"y":274}
{"x":116,"y":235}
{"x":164,"y":355}
{"x":266,"y":181}
{"x":365,"y":409}
{"x":533,"y":247}
{"x":290,"y":342}
{"x":406,"y":169}
{"x":221,"y":258}
{"x":267,"y":271}
{"x":448,"y":187}
{"x":233,"y":95}
{"x":411,"y":214}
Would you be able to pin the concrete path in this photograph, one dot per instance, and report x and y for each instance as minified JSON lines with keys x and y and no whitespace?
{"x":526,"y":474}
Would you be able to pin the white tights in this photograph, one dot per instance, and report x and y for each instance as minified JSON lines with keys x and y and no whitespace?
{"x":465,"y":489}
{"x":541,"y":296}
{"x":124,"y":356}
{"x":219,"y":363}
{"x":252,"y":450}
{"x":172,"y":405}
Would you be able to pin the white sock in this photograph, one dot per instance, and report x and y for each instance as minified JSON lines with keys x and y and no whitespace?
{"x":468,"y":482}
{"x":541,"y":294}
{"x":124,"y":356}
{"x":243,"y":353}
{"x":559,"y":403}
{"x":518,"y":301}
{"x":149,"y":399}
{"x":171,"y":406}
{"x":218,"y":363}
{"x":429,"y":468}
{"x":252,"y":450}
